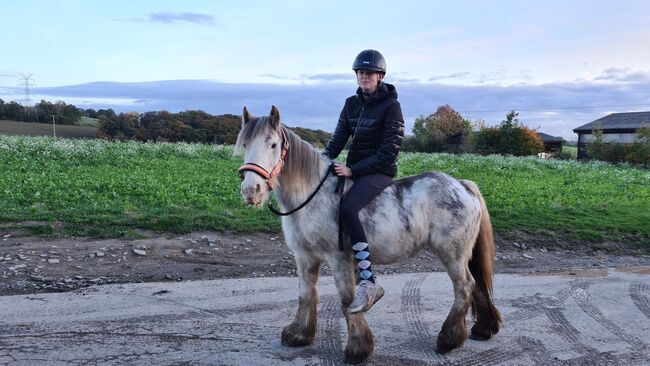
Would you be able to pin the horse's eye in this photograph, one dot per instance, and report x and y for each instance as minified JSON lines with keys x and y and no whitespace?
{"x":274,"y":145}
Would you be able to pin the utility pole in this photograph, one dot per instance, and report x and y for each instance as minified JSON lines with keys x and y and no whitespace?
{"x":53,"y":125}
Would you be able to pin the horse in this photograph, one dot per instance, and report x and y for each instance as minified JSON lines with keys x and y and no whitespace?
{"x":431,"y":210}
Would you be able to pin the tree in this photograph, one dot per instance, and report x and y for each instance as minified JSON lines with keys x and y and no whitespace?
{"x":510,"y":137}
{"x":70,"y":115}
{"x":639,"y":151}
{"x":443,"y":130}
{"x":91,"y":113}
{"x":45,"y":110}
{"x":13,"y":111}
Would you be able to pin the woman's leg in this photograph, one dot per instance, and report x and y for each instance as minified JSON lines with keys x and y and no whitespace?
{"x":362,"y":192}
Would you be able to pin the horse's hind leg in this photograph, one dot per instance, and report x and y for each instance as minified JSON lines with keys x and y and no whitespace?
{"x":302,"y":330}
{"x":487,"y":316}
{"x":454,"y":332}
{"x":360,"y":341}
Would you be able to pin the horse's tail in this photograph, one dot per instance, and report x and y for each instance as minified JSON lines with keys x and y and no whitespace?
{"x":481,"y":265}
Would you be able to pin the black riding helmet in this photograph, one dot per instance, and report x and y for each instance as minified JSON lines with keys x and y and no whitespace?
{"x":370,"y":60}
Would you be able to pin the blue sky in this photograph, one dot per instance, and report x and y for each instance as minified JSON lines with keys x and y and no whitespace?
{"x":560,"y":63}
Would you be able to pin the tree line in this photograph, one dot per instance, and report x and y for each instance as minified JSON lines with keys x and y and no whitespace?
{"x":189,"y":126}
{"x":66,"y":114}
{"x":445,"y":130}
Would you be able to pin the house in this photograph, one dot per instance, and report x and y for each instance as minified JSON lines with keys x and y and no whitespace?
{"x":616,"y":127}
{"x":551,"y":143}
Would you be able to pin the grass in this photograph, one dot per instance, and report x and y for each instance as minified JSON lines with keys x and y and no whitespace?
{"x":573,"y":150}
{"x":111,"y":189}
{"x":88,"y":121}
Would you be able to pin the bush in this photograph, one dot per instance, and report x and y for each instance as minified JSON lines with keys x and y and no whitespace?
{"x":443,"y":131}
{"x":510,"y":137}
{"x":637,"y":152}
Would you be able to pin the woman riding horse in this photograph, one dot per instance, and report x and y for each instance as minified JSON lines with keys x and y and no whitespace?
{"x":373,"y":117}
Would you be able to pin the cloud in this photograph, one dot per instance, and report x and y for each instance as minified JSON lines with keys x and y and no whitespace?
{"x":279,"y":77}
{"x":331,"y":77}
{"x":174,"y":17}
{"x":482,"y":77}
{"x":554,"y":108}
{"x":623,"y":75}
{"x":456,"y":75}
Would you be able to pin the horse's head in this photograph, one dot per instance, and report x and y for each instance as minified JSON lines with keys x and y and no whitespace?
{"x":265,"y":148}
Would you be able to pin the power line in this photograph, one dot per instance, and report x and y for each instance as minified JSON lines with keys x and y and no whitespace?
{"x":558,"y":108}
{"x":24,"y":81}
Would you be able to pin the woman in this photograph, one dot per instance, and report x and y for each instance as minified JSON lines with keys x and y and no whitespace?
{"x":373,"y":118}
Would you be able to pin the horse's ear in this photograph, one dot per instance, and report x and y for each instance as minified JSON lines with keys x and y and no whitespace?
{"x":275,"y":117}
{"x":246,"y":116}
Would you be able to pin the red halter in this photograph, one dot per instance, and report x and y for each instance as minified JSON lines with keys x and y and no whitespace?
{"x":252,"y":167}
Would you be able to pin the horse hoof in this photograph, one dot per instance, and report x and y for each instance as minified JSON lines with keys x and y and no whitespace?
{"x":480,"y":333}
{"x":293,"y":335}
{"x":484,"y":330}
{"x":359,"y":349}
{"x":445,"y":344}
{"x":355,"y":358}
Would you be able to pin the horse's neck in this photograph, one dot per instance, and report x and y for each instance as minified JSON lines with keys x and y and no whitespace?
{"x":295,"y":188}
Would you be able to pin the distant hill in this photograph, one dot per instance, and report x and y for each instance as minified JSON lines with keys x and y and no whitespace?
{"x":45,"y":129}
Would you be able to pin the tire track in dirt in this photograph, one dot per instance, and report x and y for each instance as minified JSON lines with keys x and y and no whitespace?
{"x":561,"y":325}
{"x":581,"y":297}
{"x":328,"y":337}
{"x":641,"y":301}
{"x":501,"y":354}
{"x":534,"y":305}
{"x":411,"y":309}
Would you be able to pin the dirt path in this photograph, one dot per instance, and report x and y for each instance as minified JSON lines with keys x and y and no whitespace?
{"x":31,"y":264}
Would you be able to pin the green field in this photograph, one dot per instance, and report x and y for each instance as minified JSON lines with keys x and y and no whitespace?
{"x":102,"y":188}
{"x":87,"y":121}
{"x":572,"y":150}
{"x":46,"y":129}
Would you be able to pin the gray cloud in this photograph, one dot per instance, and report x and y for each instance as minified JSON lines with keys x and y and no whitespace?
{"x":483,"y":77}
{"x":624,"y":75}
{"x":456,"y":75}
{"x":553,"y":108}
{"x":332,"y":77}
{"x":279,"y":77}
{"x":173,"y":17}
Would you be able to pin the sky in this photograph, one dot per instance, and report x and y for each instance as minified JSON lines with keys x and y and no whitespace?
{"x":561,"y":64}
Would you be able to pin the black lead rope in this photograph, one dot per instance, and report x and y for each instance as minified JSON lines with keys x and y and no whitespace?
{"x":340,"y":184}
{"x":329,"y":170}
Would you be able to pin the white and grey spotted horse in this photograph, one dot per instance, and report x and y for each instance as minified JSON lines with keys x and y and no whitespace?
{"x":430,"y":210}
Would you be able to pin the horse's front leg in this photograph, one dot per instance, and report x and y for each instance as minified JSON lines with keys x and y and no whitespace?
{"x":360,"y":341}
{"x":302,"y":330}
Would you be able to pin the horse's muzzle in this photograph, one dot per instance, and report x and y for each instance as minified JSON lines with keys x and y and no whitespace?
{"x":253,"y":194}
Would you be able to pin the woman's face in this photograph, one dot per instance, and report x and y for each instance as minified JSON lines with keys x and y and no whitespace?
{"x":368,"y":80}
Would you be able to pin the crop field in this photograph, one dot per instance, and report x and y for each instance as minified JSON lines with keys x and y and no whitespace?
{"x":102,"y":188}
{"x":45,"y":129}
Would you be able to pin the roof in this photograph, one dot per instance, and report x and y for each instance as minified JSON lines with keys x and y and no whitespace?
{"x":617,"y":121}
{"x":548,"y":138}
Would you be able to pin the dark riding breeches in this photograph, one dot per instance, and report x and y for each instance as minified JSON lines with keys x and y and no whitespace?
{"x":363,"y":190}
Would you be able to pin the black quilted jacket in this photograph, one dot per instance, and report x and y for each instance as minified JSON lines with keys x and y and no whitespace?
{"x":377,"y":129}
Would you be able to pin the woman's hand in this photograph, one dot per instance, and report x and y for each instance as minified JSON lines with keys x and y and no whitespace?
{"x":342,"y":170}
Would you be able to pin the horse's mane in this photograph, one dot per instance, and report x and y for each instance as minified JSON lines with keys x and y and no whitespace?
{"x":301,"y":165}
